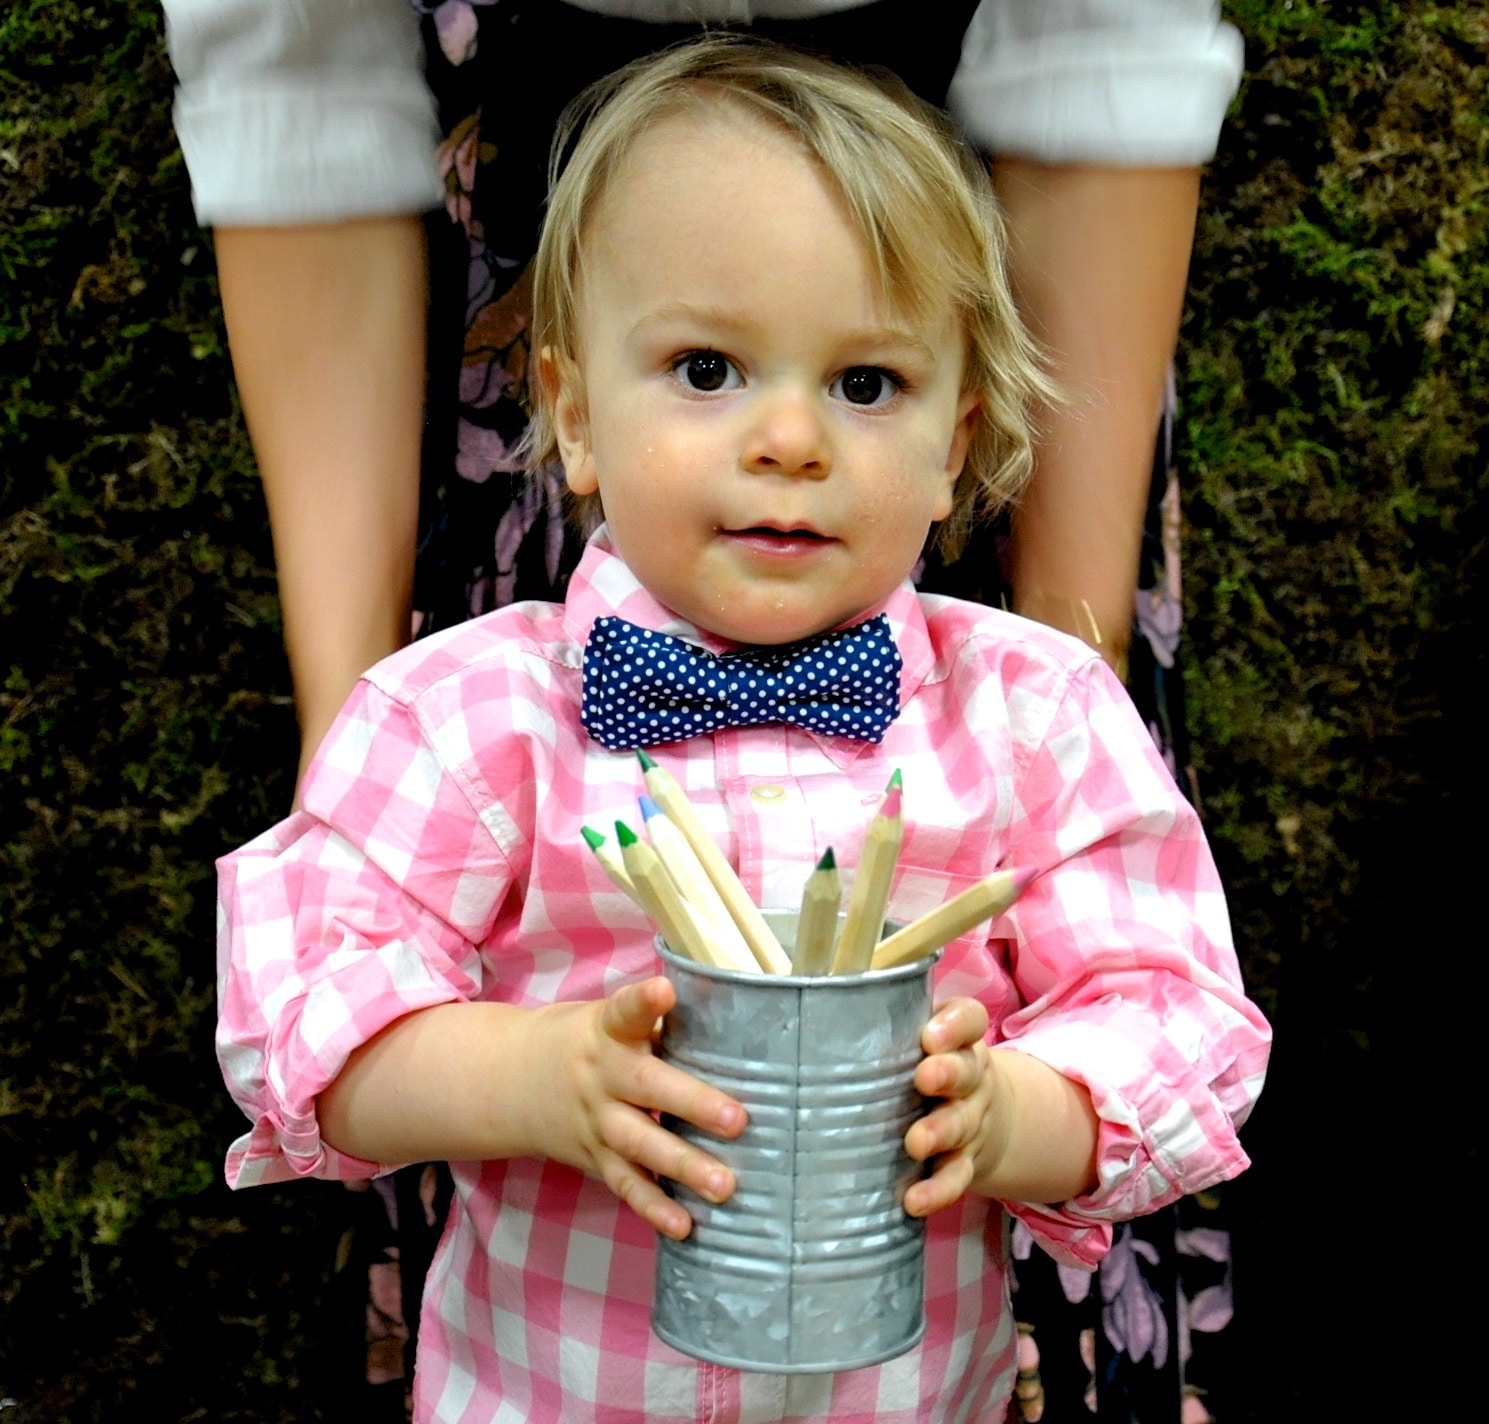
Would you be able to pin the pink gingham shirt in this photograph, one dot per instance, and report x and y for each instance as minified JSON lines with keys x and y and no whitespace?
{"x":438,"y":857}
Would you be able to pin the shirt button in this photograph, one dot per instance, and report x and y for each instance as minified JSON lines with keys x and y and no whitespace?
{"x":767,"y":793}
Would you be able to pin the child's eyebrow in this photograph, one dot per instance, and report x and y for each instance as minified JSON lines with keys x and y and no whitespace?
{"x":892,"y":342}
{"x":897,"y":343}
{"x":691,"y":313}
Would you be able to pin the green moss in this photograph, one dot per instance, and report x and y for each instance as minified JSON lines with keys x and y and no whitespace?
{"x":1335,"y":452}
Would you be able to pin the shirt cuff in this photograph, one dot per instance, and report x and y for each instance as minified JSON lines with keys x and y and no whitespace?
{"x":285,"y":153}
{"x":1156,"y":1141}
{"x":1151,"y":99}
{"x":277,"y":1082}
{"x":279,"y":1151}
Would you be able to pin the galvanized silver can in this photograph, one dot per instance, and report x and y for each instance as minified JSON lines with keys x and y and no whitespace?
{"x":812,"y":1264}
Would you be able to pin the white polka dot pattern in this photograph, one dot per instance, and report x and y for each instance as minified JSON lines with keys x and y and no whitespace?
{"x":642,"y":688}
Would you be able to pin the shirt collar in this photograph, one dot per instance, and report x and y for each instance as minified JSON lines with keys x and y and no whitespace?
{"x":603,"y":585}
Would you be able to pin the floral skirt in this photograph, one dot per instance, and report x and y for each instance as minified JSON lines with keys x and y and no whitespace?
{"x":1140,"y":1339}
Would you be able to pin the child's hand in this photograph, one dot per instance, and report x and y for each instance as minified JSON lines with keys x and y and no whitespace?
{"x":964,"y":1132}
{"x":599,"y":1115}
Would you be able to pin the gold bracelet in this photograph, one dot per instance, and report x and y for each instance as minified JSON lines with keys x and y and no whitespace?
{"x":1074,"y":615}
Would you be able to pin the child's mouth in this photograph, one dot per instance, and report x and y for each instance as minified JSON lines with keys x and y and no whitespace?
{"x":767,"y":540}
{"x":771,"y":533}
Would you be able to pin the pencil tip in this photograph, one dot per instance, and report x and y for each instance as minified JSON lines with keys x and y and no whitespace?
{"x":649,"y":808}
{"x":646,"y":762}
{"x":895,"y":780}
{"x":592,"y":838}
{"x":828,"y":862}
{"x":892,"y":798}
{"x":624,"y":834}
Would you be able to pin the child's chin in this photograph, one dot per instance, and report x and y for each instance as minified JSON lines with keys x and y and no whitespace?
{"x":769,"y":630}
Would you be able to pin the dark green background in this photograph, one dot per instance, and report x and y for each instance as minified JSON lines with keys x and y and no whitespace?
{"x":1332,"y":383}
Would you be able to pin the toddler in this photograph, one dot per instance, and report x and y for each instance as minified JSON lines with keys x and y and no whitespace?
{"x":776,"y":349}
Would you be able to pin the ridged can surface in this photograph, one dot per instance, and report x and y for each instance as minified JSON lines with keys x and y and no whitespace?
{"x":812,"y":1264}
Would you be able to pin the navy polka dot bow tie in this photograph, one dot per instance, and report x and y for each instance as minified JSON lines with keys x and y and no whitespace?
{"x":642,"y":687}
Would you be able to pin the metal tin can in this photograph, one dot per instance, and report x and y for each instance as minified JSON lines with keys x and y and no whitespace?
{"x":812,"y":1264}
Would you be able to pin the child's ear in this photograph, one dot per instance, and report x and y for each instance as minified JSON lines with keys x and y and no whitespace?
{"x":968,"y":413}
{"x":563,"y":390}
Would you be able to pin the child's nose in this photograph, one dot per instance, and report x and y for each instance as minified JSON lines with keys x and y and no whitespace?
{"x":787,"y":437}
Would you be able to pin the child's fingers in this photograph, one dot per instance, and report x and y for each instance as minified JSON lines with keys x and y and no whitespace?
{"x":628,"y":1017}
{"x":645,"y":1197}
{"x":654,"y":1085}
{"x":643,"y":1142}
{"x":958,"y":1023}
{"x":630,"y":1014}
{"x":621,"y":1084}
{"x":952,"y":1075}
{"x":955,"y":1125}
{"x":946,"y":1186}
{"x":952,"y":1133}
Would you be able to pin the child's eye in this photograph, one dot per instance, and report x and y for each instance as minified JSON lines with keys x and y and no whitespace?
{"x":708,"y":371}
{"x":865,"y":385}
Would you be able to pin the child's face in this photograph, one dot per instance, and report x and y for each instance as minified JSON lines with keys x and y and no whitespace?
{"x":770,"y":442}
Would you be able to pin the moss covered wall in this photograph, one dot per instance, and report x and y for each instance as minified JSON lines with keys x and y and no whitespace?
{"x":1332,"y":381}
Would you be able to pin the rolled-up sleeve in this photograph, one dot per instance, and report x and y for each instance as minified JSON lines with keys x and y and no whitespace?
{"x":302,"y":112}
{"x":1136,"y":83}
{"x":1124,"y":961}
{"x":364,"y":907}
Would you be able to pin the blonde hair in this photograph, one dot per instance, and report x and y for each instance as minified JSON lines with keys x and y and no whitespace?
{"x":919,"y":197}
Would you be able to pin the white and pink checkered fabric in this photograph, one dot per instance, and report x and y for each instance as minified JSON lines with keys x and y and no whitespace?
{"x":438,"y":858}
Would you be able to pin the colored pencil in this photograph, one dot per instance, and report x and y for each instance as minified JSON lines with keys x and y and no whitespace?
{"x":702,"y":933}
{"x":659,"y":897}
{"x":666,"y":792}
{"x":817,"y":925}
{"x":696,"y":888}
{"x":609,"y":859}
{"x":940,"y":926}
{"x":869,"y":897}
